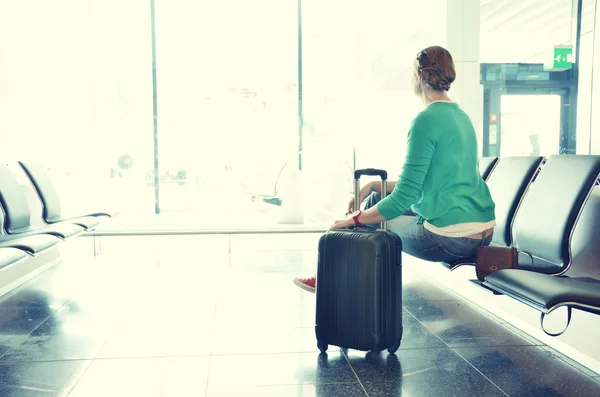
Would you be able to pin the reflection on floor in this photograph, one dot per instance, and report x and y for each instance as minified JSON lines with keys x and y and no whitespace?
{"x":184,"y":325}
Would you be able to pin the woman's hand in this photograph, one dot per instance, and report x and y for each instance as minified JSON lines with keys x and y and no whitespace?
{"x":367,"y":217}
{"x":343,"y":224}
{"x":364,"y":193}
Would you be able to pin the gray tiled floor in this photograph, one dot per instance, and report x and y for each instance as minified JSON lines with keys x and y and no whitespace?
{"x":177,"y":326}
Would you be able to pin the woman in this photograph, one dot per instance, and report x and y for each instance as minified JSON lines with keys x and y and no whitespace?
{"x":440,"y":206}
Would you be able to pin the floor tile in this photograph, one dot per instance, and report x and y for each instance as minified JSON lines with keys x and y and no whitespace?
{"x":257,"y":340}
{"x":264,"y":262}
{"x":579,"y":367}
{"x":418,"y":289}
{"x":28,"y":391}
{"x":22,"y":319}
{"x":157,"y":340}
{"x":416,"y":336}
{"x":279,"y":304}
{"x":33,"y":295}
{"x":279,"y":369}
{"x":529,"y":371}
{"x":458,"y":324}
{"x":53,"y":378}
{"x":420,"y":372}
{"x":10,"y":341}
{"x":262,"y":340}
{"x":68,"y":333}
{"x":169,"y":314}
{"x":250,"y":283}
{"x":173,"y":324}
{"x":304,"y":390}
{"x":521,"y":333}
{"x":57,"y":340}
{"x":166,"y":324}
{"x":144,"y":377}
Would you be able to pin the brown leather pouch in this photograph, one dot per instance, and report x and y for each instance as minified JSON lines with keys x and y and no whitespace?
{"x":490,"y":259}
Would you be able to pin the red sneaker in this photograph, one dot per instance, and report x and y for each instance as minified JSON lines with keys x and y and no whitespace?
{"x":307,"y":284}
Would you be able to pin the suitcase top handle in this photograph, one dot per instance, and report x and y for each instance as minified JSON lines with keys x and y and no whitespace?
{"x":370,"y":172}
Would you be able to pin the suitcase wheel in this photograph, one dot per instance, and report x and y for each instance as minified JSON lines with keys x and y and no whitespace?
{"x":372,"y":354}
{"x":392,"y":349}
{"x":322,"y":346}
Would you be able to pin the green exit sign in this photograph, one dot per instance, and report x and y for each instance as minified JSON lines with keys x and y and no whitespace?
{"x":563,"y":57}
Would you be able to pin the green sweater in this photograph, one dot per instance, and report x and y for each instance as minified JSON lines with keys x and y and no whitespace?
{"x":440,"y":179}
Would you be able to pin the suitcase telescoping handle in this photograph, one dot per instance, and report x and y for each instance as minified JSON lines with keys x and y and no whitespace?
{"x":370,"y":172}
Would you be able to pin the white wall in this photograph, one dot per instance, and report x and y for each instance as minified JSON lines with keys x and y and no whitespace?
{"x":462,"y":32}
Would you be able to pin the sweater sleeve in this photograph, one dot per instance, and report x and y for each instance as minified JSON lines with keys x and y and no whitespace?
{"x":421,"y":145}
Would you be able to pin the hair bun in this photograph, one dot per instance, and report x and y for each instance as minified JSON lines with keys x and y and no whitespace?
{"x":436,"y":67}
{"x":444,"y":86}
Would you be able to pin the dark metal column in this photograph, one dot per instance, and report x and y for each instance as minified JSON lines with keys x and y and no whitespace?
{"x":569,"y":102}
{"x":485,"y":134}
{"x":492,"y":121}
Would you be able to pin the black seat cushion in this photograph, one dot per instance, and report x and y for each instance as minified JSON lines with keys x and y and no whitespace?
{"x":42,"y":182}
{"x":31,"y":244}
{"x":51,"y":207}
{"x":486,"y":166}
{"x":8,"y":256}
{"x":545,"y":292}
{"x":585,"y":243}
{"x":13,"y":201}
{"x":86,"y":222}
{"x":17,"y":218}
{"x":459,"y":262}
{"x":61,"y":230}
{"x":546,"y":218}
{"x":508,"y":184}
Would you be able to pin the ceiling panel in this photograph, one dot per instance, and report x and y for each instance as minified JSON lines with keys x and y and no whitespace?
{"x":523,"y":30}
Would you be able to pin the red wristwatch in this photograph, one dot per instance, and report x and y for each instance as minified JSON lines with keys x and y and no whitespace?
{"x":355,"y":216}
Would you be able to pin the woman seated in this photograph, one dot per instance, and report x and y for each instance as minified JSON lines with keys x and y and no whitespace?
{"x":440,"y":206}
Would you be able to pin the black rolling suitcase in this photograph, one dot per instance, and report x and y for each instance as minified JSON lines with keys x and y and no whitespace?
{"x":359,"y":285}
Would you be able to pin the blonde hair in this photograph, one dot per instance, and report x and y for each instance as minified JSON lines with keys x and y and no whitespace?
{"x":436,"y":68}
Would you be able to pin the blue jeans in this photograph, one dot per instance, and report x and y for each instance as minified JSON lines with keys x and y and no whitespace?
{"x":423,"y":244}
